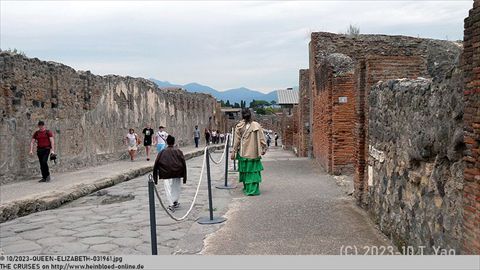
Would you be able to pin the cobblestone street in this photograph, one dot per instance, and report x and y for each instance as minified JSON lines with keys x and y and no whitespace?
{"x":114,"y":220}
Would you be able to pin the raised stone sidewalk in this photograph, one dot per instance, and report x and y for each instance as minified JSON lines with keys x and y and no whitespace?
{"x":26,"y":197}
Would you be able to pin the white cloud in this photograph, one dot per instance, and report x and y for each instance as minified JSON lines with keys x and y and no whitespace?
{"x":260,"y":45}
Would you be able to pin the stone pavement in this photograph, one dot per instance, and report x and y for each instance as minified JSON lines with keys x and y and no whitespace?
{"x":25,"y":197}
{"x":301,"y":211}
{"x":115,"y":220}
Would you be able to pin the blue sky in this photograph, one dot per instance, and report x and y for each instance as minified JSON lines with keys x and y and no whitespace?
{"x":223,"y":44}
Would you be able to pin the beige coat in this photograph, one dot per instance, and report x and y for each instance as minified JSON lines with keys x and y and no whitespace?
{"x":249,"y":143}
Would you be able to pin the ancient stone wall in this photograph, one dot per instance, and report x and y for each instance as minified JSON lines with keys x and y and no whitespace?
{"x":271,"y":122}
{"x":89,"y":114}
{"x":287,"y":129}
{"x":415,"y":166}
{"x":334,"y":112}
{"x":471,"y":69}
{"x":374,"y":58}
{"x":303,"y":113}
{"x":295,"y":129}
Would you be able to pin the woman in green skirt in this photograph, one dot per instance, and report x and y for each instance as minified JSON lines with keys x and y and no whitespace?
{"x":249,"y":145}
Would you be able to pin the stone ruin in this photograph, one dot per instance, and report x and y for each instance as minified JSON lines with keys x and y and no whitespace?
{"x":89,"y":114}
{"x":401,"y":115}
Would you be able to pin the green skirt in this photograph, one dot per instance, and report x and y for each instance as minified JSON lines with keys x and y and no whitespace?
{"x":250,"y":174}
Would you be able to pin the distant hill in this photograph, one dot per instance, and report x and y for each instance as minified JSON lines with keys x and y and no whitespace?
{"x":233,"y":95}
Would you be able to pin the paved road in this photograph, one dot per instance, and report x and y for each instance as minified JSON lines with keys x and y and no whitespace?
{"x":300,"y":211}
{"x":113,"y":221}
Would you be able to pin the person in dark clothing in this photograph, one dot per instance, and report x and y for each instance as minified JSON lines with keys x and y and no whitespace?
{"x":207,"y":136}
{"x":45,"y":146}
{"x":147,"y":139}
{"x":276,"y":139}
{"x":170,"y":165}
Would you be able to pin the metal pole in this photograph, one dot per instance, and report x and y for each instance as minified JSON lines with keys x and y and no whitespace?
{"x":153,"y":220}
{"x":227,"y":145}
{"x":227,"y":148}
{"x":211,"y":219}
{"x":209,"y":183}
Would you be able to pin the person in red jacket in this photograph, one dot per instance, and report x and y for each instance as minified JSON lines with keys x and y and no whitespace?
{"x":170,"y":165}
{"x":45,"y":147}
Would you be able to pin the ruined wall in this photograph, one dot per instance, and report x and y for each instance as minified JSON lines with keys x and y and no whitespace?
{"x":287,"y":131}
{"x":375,"y":57}
{"x":295,"y":129}
{"x":415,"y":173}
{"x":303,"y":113}
{"x":322,"y":117}
{"x":271,"y":122}
{"x":89,"y":114}
{"x":334,"y":111}
{"x":471,"y":69}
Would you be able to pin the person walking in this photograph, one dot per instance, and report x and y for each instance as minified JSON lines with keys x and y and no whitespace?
{"x":132,"y":141}
{"x":196,"y":136}
{"x":161,"y":138}
{"x":147,"y":139}
{"x":248,"y":148}
{"x":45,"y":146}
{"x":276,"y":139}
{"x":222,"y":137}
{"x":214,"y":136}
{"x":269,"y":140}
{"x":170,"y":165}
{"x":207,"y":136}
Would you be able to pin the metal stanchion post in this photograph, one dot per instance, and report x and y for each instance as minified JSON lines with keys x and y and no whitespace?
{"x":211,"y":219}
{"x":153,"y":220}
{"x":226,"y":186}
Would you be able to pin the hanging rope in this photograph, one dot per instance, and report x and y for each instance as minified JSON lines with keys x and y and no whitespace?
{"x":150,"y":177}
{"x":157,"y":193}
{"x":223,"y":154}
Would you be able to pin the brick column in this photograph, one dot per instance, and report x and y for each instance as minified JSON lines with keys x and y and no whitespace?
{"x":471,"y":188}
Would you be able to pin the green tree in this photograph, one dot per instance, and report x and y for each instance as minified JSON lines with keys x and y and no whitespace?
{"x":260,"y":111}
{"x":243,"y":104}
{"x":227,"y":104}
{"x":273,"y":102}
{"x":259,"y":104}
{"x":236,"y":105}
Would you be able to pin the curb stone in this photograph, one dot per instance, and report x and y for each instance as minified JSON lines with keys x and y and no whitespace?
{"x":56,"y":198}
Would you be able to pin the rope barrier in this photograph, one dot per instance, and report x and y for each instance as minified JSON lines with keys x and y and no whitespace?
{"x":157,"y":193}
{"x":223,"y":154}
{"x":194,"y":198}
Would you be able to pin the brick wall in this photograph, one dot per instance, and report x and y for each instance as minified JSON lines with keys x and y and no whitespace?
{"x":471,"y":195}
{"x":295,"y":129}
{"x":343,"y":116}
{"x":375,"y":57}
{"x":287,"y":131}
{"x":322,"y":117}
{"x":303,"y":113}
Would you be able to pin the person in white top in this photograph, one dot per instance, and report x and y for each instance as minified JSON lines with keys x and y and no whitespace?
{"x":161,"y":138}
{"x":214,"y":136}
{"x":131,"y":141}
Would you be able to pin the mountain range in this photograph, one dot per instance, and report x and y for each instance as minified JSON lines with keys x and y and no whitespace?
{"x":233,"y":95}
